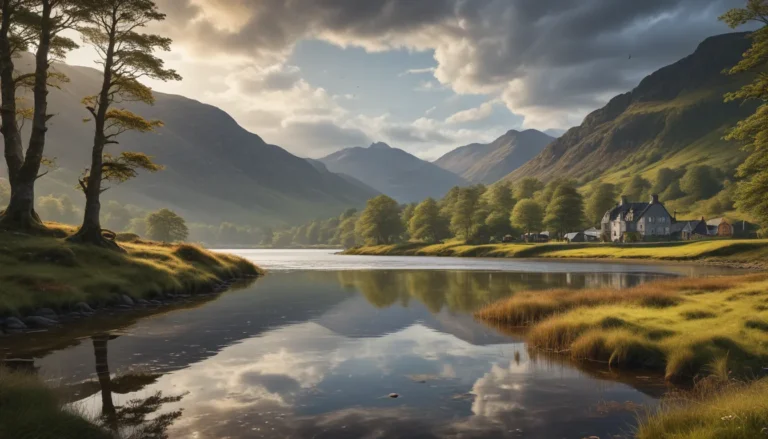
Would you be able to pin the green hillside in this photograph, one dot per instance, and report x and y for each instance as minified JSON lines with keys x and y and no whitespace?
{"x":675,"y":118}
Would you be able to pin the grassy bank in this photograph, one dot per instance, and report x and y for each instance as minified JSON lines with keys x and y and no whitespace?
{"x":37,"y":272}
{"x":30,"y":409}
{"x":679,"y":327}
{"x":734,"y":252}
{"x":732,"y":411}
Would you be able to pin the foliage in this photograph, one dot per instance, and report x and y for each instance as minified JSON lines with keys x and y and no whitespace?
{"x":565,"y":211}
{"x":700,"y":182}
{"x":601,"y":199}
{"x":59,"y":209}
{"x":636,"y":189}
{"x":165,"y":225}
{"x":664,"y":178}
{"x":121,"y":168}
{"x":527,"y":187}
{"x":345,"y":236}
{"x":753,"y":131}
{"x":468,"y":212}
{"x":405,"y":216}
{"x":528,"y":216}
{"x":5,"y":192}
{"x":427,"y":224}
{"x":380,"y":221}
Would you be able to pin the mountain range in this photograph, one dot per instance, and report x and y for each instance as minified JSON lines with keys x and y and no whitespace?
{"x":215,"y":170}
{"x":674,"y":118}
{"x":488,"y":163}
{"x":394,"y":172}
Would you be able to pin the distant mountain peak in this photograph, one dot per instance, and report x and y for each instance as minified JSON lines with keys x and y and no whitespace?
{"x":379,"y":145}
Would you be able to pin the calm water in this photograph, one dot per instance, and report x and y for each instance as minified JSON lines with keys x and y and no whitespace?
{"x":315,"y":348}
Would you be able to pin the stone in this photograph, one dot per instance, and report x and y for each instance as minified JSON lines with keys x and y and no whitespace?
{"x":394,"y":395}
{"x":142,"y":302}
{"x":15,"y":324}
{"x":39,"y":322}
{"x":126,"y":300}
{"x":83,"y":307}
{"x":47,"y":313}
{"x":156,"y":302}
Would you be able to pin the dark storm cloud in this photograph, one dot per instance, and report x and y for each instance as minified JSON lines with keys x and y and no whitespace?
{"x":563,"y":54}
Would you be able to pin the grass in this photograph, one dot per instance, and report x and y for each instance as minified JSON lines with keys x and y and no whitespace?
{"x":50,"y":272}
{"x":30,"y":409}
{"x":677,"y":327}
{"x":732,"y":411}
{"x":727,"y":251}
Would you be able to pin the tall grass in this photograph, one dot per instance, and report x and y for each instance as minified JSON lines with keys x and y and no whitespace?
{"x":31,"y":410}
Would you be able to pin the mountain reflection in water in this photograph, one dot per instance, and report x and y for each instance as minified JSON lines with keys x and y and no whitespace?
{"x":315,"y":354}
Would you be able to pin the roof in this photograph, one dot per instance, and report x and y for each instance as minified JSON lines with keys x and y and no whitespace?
{"x":570,"y":236}
{"x":717,"y":221}
{"x":685,"y":226}
{"x":621,"y":209}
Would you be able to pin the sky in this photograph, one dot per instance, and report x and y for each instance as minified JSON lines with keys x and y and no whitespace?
{"x":426,"y":76}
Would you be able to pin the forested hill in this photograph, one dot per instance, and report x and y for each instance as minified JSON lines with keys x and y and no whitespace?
{"x":394,"y":172}
{"x":676,"y":117}
{"x":488,"y":163}
{"x":215,"y":170}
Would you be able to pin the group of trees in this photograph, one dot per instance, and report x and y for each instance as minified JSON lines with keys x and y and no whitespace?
{"x":126,"y":55}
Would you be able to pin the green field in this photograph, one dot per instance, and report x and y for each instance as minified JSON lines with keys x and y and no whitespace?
{"x":748,"y":253}
{"x":37,"y":272}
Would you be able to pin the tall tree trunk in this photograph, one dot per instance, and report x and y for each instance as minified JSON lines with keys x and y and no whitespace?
{"x":90,"y":231}
{"x":20,"y":213}
{"x":14,"y":153}
{"x":108,"y":411}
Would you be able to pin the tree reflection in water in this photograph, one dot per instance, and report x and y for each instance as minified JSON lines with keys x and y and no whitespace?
{"x":131,"y":420}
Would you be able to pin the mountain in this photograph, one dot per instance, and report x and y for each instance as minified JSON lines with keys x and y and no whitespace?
{"x":488,"y":163}
{"x":675,"y":117}
{"x":394,"y":172}
{"x":215,"y":170}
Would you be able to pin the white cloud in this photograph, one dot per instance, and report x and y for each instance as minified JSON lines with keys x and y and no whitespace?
{"x":484,"y":111}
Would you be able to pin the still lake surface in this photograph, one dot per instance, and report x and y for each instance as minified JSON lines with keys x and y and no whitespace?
{"x":315,"y":348}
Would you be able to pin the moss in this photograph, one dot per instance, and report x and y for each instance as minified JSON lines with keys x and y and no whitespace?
{"x":50,"y":272}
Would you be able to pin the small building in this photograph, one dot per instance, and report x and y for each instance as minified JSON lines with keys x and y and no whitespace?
{"x":593,"y":234}
{"x":540,"y":237}
{"x":687,"y":230}
{"x":719,"y":227}
{"x":576,"y":237}
{"x":649,"y":220}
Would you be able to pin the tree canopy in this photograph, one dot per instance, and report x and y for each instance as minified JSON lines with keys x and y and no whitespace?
{"x":380,"y":221}
{"x":602,"y":199}
{"x":528,"y":216}
{"x":426,"y":224}
{"x":565,"y":211}
{"x":165,"y":225}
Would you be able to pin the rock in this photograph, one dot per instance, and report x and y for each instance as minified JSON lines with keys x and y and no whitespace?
{"x":156,"y":302}
{"x":142,"y":302}
{"x":14,"y":324}
{"x":39,"y":322}
{"x":74,"y":315}
{"x":47,"y":313}
{"x":394,"y":395}
{"x":123,"y":306}
{"x":126,"y":300}
{"x":83,"y":308}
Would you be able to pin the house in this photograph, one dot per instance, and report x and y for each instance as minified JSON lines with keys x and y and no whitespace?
{"x":593,"y":234}
{"x":649,"y":220}
{"x":576,"y":237}
{"x":719,"y":227}
{"x":536,"y":237}
{"x":687,"y":230}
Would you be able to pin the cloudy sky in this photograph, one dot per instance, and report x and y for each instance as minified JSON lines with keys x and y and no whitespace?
{"x":314,"y":76}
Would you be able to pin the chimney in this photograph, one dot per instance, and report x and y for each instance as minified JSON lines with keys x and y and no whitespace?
{"x":624,"y":200}
{"x":654,"y":199}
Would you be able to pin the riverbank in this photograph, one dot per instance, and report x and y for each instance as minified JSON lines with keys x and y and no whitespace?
{"x":679,"y":327}
{"x":31,"y":409}
{"x":46,"y":279}
{"x":730,"y":252}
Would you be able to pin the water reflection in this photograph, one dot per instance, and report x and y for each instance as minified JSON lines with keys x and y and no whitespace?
{"x":315,"y":354}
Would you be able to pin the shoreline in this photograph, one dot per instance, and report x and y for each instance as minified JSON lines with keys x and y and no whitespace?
{"x":738,"y":254}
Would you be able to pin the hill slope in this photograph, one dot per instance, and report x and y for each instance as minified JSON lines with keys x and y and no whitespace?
{"x":488,"y":163}
{"x":215,"y":170}
{"x":394,"y":172}
{"x":675,"y":117}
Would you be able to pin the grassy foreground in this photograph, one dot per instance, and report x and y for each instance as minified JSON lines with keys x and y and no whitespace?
{"x":679,"y":326}
{"x":728,"y":251}
{"x":30,"y":409}
{"x":49,"y":272}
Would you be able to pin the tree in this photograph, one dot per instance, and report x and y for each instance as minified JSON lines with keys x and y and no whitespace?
{"x":602,"y":199}
{"x":637,"y":188}
{"x":753,"y":131}
{"x":700,"y":182}
{"x":313,"y":233}
{"x":565,"y":212}
{"x":500,"y":198}
{"x":405,"y":216}
{"x":380,"y":221}
{"x":426,"y":224}
{"x":117,"y":217}
{"x":345,"y":234}
{"x":126,"y":56}
{"x":527,"y":216}
{"x":165,"y":225}
{"x":527,"y":187}
{"x":546,"y":194}
{"x":25,"y":24}
{"x":469,"y":212}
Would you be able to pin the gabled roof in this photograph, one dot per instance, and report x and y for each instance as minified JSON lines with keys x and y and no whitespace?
{"x":570,"y":236}
{"x":621,"y":209}
{"x":717,"y":221}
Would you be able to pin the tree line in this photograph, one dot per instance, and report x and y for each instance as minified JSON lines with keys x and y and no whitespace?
{"x":126,"y":55}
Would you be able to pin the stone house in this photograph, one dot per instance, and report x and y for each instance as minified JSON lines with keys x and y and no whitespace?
{"x":719,"y":227}
{"x":649,"y":220}
{"x":687,"y":230}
